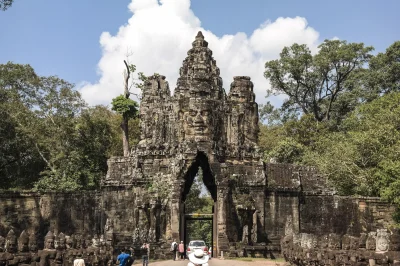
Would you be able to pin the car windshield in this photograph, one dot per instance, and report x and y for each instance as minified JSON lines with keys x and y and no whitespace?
{"x":197,"y":244}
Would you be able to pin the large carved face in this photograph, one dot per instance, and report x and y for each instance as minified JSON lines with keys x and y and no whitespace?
{"x":197,"y":121}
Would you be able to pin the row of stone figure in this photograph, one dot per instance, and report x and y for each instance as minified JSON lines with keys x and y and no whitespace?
{"x":375,"y":248}
{"x":58,"y":250}
{"x":28,"y":242}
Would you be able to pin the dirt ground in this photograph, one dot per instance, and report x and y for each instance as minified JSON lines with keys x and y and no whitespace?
{"x":218,"y":262}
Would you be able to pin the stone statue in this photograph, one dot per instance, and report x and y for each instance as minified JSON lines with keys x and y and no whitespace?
{"x":95,"y":241}
{"x":136,"y":236}
{"x":11,"y":242}
{"x":152,"y":236}
{"x":33,"y":249}
{"x":23,"y":242}
{"x":48,"y":254}
{"x":49,"y":241}
{"x":102,"y":241}
{"x":61,"y":242}
{"x":289,"y":225}
{"x":108,"y":226}
{"x":245,"y":237}
{"x":371,"y":241}
{"x":382,"y":240}
{"x":254,"y":229}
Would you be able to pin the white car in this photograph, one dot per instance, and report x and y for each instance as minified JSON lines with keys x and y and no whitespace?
{"x":197,"y":244}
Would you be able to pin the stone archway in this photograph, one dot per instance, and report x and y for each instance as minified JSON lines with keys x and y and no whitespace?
{"x":200,"y":161}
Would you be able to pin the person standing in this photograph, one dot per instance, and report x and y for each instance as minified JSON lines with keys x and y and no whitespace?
{"x":79,"y":261}
{"x":123,"y":257}
{"x":145,"y":249}
{"x":174,"y":248}
{"x":182,"y":251}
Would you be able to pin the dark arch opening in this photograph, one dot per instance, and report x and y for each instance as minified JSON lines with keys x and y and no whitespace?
{"x":208,"y":179}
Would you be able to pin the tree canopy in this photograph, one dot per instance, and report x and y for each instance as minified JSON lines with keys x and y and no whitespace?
{"x":50,"y":138}
{"x":341,"y":115}
{"x":315,"y":83}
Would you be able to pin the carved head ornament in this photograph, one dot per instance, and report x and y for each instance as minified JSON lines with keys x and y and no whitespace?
{"x":49,"y":240}
{"x":23,"y":242}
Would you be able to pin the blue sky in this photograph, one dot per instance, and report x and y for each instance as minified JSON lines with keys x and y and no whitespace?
{"x":62,"y":37}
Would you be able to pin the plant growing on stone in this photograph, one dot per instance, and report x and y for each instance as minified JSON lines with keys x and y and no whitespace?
{"x":125,"y":106}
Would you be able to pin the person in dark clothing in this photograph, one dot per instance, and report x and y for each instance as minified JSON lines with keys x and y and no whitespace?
{"x":145,"y":253}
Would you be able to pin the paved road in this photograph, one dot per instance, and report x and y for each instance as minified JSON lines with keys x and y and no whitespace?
{"x":217,"y":262}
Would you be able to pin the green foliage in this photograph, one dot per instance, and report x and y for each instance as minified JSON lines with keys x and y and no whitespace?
{"x":384,"y":74}
{"x":314,"y":83}
{"x":286,"y":151}
{"x":126,"y":107}
{"x":49,"y":138}
{"x":198,"y":203}
{"x":5,"y":4}
{"x":363,"y":157}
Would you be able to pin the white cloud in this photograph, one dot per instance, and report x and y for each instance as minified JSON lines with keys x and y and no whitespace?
{"x":160,"y":33}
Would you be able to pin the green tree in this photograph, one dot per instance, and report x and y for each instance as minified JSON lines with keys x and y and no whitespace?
{"x":5,"y":4}
{"x":20,"y":163}
{"x":384,"y":71}
{"x":49,"y":138}
{"x":314,"y":83}
{"x":125,"y":106}
{"x":363,"y":158}
{"x":196,"y":202}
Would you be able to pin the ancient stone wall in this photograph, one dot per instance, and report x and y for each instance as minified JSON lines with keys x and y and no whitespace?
{"x":380,"y":247}
{"x":60,"y":212}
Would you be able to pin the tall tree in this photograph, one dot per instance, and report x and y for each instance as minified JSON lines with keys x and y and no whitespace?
{"x":314,"y":83}
{"x":384,"y":71}
{"x":48,"y":136}
{"x":20,"y":162}
{"x":125,"y":106}
{"x":5,"y":4}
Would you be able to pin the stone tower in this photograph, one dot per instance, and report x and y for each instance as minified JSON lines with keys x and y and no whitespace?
{"x":198,"y":127}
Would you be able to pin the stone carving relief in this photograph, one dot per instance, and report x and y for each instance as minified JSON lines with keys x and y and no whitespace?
{"x":382,"y":240}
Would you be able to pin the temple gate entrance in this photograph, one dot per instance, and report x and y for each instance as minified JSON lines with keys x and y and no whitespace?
{"x":199,"y":168}
{"x":199,"y":217}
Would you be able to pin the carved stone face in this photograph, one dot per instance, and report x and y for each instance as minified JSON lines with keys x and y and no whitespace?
{"x":382,"y":244}
{"x":23,"y":246}
{"x":196,"y":121}
{"x":56,"y":243}
{"x":33,"y":246}
{"x":12,"y":245}
{"x":62,"y":243}
{"x":49,"y":243}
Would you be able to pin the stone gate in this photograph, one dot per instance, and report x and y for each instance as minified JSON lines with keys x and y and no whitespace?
{"x":199,"y":126}
{"x":255,"y":204}
{"x":260,"y":209}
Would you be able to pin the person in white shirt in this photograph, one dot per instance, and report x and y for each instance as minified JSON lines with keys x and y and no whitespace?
{"x":79,"y":261}
{"x":174,"y":248}
{"x":197,"y":258}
